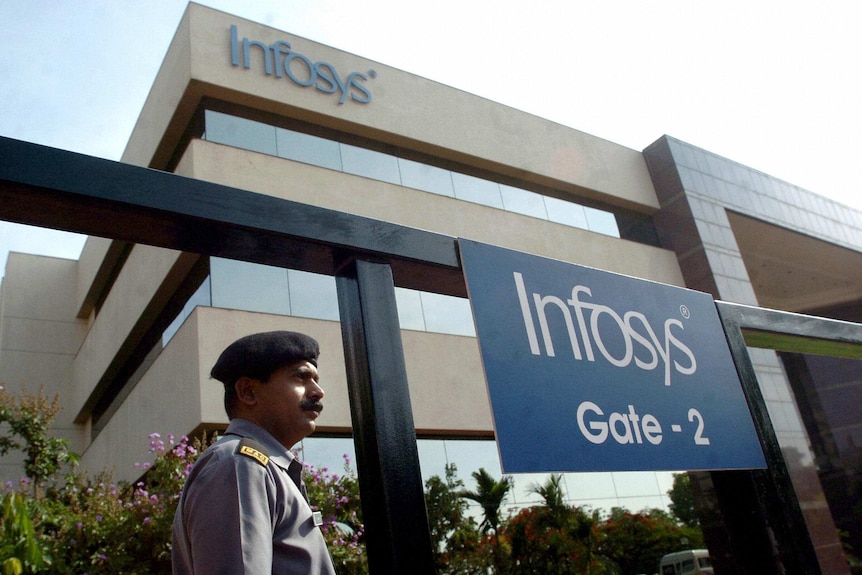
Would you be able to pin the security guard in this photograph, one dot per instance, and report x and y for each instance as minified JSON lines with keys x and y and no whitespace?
{"x":243,"y":508}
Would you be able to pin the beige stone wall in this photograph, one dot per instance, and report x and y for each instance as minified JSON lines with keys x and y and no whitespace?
{"x":133,"y":291}
{"x":39,"y":338}
{"x":40,"y":333}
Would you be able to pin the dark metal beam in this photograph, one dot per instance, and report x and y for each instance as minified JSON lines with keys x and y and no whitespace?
{"x":393,"y":503}
{"x":53,"y":188}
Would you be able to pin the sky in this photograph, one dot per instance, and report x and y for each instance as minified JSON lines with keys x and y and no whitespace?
{"x":775,"y":85}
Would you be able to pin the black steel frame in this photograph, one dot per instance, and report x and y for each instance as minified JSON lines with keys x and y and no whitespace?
{"x":785,"y":539}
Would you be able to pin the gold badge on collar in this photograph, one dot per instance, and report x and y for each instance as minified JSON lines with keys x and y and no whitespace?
{"x":254,"y":454}
{"x":253,"y":449}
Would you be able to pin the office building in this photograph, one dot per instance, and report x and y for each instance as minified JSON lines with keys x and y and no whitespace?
{"x":127,"y":334}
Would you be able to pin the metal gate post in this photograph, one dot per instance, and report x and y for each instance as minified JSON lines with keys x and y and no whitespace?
{"x":393,"y":504}
{"x":773,"y":487}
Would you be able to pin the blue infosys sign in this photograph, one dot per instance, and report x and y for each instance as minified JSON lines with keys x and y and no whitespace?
{"x":280,"y":60}
{"x":593,"y":371}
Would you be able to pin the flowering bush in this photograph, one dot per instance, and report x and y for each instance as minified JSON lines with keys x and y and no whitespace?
{"x":336,"y":497}
{"x":27,"y":418}
{"x":94,"y":525}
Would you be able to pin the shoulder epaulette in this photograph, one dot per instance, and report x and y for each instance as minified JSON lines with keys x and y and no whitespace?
{"x":253,"y":449}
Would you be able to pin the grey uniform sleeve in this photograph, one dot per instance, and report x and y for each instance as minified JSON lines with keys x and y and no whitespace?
{"x":228,"y":518}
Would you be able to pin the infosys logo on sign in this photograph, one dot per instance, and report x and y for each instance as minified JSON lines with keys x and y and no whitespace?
{"x":282,"y":61}
{"x":594,"y":371}
{"x":640,"y":344}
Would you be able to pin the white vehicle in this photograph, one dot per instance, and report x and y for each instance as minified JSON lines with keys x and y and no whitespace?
{"x":689,"y":562}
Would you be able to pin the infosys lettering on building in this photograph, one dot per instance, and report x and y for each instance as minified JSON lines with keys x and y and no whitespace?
{"x":280,"y":60}
{"x":594,"y":371}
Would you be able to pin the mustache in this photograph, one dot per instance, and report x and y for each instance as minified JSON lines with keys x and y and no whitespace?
{"x":311,"y":405}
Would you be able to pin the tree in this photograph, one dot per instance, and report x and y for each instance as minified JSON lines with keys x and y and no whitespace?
{"x":682,"y":500}
{"x":454,"y":534}
{"x":29,"y":417}
{"x":490,"y":494}
{"x":637,"y":541}
{"x":552,"y":493}
{"x":554,"y":538}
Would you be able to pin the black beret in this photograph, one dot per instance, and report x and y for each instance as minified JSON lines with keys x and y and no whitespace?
{"x":259,"y":355}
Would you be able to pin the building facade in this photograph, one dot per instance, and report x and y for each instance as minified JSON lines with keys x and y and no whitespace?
{"x":127,"y":334}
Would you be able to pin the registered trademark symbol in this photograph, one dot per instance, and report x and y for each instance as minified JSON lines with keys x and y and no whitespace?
{"x":684,"y":311}
{"x":372,"y":73}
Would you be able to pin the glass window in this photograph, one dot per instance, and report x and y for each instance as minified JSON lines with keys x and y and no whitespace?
{"x":523,"y":488}
{"x":239,"y":132}
{"x":447,"y":314}
{"x":470,"y":455}
{"x":249,"y":287}
{"x":328,"y":452}
{"x":426,"y":178}
{"x":601,"y":222}
{"x":476,"y":190}
{"x":523,"y":202}
{"x":313,"y":295}
{"x":567,"y":213}
{"x":201,"y":297}
{"x":409,"y":309}
{"x":309,"y":149}
{"x":432,"y":458}
{"x":370,"y":164}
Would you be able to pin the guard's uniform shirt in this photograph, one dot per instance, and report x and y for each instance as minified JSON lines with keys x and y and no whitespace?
{"x":241,"y":512}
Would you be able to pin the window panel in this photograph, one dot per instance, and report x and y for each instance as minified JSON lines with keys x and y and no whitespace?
{"x":567,"y":213}
{"x":523,"y":202}
{"x":426,"y":178}
{"x":470,"y":455}
{"x":201,"y":297}
{"x":239,"y":132}
{"x":601,"y":222}
{"x":476,"y":190}
{"x":313,"y":295}
{"x":409,"y":304}
{"x":432,"y":458}
{"x":370,"y":164}
{"x":249,"y":287}
{"x":328,"y":452}
{"x":308,"y":149}
{"x":447,"y":314}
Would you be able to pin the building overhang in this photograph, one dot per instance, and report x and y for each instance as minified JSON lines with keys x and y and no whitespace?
{"x":794,"y":271}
